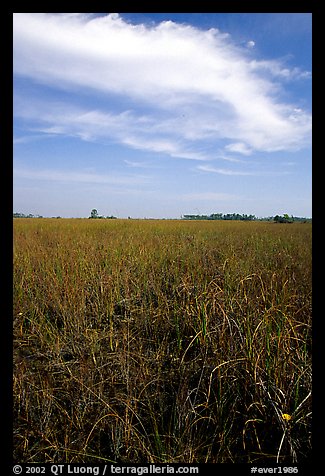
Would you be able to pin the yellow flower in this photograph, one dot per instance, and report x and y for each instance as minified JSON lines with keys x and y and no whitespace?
{"x":286,"y":417}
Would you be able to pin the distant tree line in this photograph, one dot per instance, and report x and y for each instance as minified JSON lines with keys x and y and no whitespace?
{"x":22,"y":215}
{"x":214,"y":216}
{"x":283,"y":219}
{"x":287,"y":219}
{"x":237,"y":216}
{"x":94,"y":215}
{"x":221,"y":216}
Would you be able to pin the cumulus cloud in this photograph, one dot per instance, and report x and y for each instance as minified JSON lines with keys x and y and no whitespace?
{"x":196,"y":86}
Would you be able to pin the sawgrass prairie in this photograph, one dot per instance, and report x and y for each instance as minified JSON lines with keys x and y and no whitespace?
{"x":163,"y":341}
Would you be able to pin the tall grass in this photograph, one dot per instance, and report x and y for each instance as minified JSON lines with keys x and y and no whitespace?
{"x":161,"y":341}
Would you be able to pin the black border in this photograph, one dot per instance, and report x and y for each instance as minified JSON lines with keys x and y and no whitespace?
{"x":6,"y":131}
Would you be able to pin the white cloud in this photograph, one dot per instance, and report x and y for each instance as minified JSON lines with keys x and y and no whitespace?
{"x":233,"y":172}
{"x":208,"y":168}
{"x":277,"y":68}
{"x":137,"y":164}
{"x":250,"y":44}
{"x":162,"y":145}
{"x":239,"y":147}
{"x":80,"y":177}
{"x":196,"y":85}
{"x":140,"y":132}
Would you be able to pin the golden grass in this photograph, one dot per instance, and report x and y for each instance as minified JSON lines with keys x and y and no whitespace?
{"x":161,"y":341}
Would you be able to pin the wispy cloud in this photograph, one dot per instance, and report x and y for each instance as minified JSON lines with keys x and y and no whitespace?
{"x":137,"y":164}
{"x":234,"y":172}
{"x":277,"y":68}
{"x":196,"y":86}
{"x":139,"y":132}
{"x":208,"y":168}
{"x":25,"y":139}
{"x":80,"y":177}
{"x":239,"y":147}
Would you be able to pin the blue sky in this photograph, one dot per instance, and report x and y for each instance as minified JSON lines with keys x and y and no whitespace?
{"x":160,"y":115}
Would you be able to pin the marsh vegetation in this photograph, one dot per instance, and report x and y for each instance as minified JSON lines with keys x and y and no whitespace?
{"x":161,"y":341}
